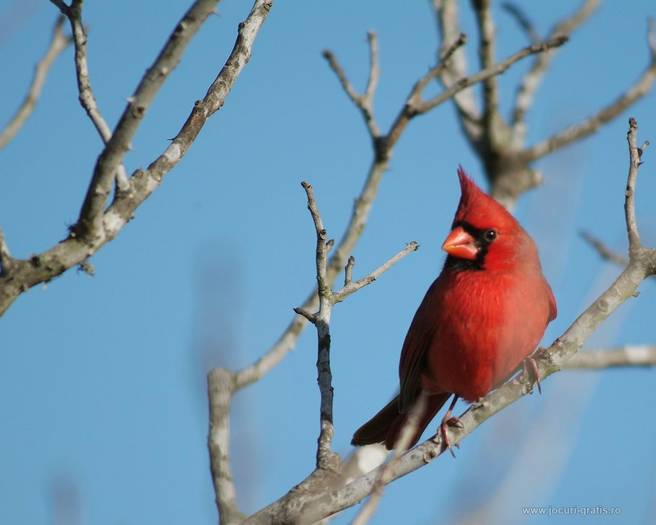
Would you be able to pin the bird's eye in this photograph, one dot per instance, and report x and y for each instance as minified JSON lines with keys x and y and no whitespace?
{"x":490,"y":235}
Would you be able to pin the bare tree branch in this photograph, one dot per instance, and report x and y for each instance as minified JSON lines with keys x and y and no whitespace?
{"x":626,"y":356}
{"x":89,"y":224}
{"x":446,"y":14}
{"x":522,"y":20}
{"x":353,"y":286}
{"x":383,"y":148}
{"x":326,"y":458}
{"x":86,"y":96}
{"x":348,"y":271}
{"x":416,"y":106}
{"x":364,"y":102}
{"x":99,"y":224}
{"x":310,"y":507}
{"x":352,"y":233}
{"x":374,"y":69}
{"x":486,"y":30}
{"x":604,"y":251}
{"x":499,"y":145}
{"x":414,"y":99}
{"x":496,"y":69}
{"x":635,"y":159}
{"x":219,"y":393}
{"x":6,"y":260}
{"x":328,"y":463}
{"x":57,"y":44}
{"x":581,"y":130}
{"x":223,"y":384}
{"x":322,"y":244}
{"x":531,"y":80}
{"x":77,"y":247}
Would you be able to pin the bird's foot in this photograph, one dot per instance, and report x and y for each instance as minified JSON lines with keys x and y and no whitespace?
{"x":449,"y":421}
{"x":531,"y":370}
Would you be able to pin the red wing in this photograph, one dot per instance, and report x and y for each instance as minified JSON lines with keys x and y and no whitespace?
{"x":417,"y":342}
{"x":553,"y":309}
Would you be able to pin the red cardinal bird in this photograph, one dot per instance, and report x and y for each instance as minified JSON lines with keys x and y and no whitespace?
{"x":483,"y":316}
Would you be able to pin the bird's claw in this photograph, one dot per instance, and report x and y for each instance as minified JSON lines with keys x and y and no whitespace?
{"x":454,"y":422}
{"x":449,"y":421}
{"x":532,"y":371}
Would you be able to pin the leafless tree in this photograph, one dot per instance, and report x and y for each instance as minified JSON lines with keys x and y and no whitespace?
{"x":114,"y":196}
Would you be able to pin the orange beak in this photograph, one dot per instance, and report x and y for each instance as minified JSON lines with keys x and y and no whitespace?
{"x":460,"y":244}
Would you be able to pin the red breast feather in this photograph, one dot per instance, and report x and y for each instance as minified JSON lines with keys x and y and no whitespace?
{"x":485,"y":321}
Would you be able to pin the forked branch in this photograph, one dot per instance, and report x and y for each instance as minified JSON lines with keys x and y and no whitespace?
{"x":98,"y":225}
{"x":89,"y":225}
{"x":625,"y":356}
{"x":500,"y":144}
{"x":383,"y":146}
{"x":309,"y":508}
{"x":86,"y":96}
{"x":326,"y":458}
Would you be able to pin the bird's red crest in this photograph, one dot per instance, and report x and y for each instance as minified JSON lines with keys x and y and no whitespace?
{"x":478,"y":208}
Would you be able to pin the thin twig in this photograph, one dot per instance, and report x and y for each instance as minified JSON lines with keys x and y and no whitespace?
{"x":86,"y":96}
{"x":348,"y":271}
{"x":374,"y":68}
{"x":588,"y":126}
{"x":626,"y":356}
{"x":351,"y":235}
{"x":604,"y":251}
{"x":90,"y":220}
{"x":348,"y":88}
{"x":571,"y":23}
{"x":351,"y":286}
{"x":446,"y":14}
{"x":415,"y":105}
{"x":57,"y":44}
{"x":531,"y":80}
{"x":523,"y":21}
{"x":486,"y":30}
{"x":308,"y":508}
{"x":635,"y":158}
{"x":322,"y":248}
{"x":364,"y":102}
{"x":496,"y":69}
{"x":414,"y":98}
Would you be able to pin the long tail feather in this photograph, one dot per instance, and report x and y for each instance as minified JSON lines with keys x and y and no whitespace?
{"x":387,"y":424}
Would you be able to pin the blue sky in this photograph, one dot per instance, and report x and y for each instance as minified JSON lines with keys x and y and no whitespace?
{"x":102,"y":379}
